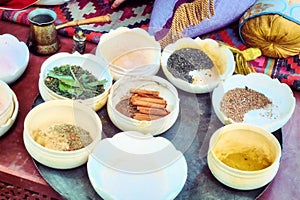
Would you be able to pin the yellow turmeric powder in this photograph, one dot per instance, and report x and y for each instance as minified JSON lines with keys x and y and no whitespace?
{"x":249,"y":159}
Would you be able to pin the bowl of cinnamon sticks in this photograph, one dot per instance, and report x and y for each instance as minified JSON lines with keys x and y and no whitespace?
{"x":147,"y":104}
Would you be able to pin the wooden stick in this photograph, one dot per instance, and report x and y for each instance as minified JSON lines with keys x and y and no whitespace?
{"x":92,"y":20}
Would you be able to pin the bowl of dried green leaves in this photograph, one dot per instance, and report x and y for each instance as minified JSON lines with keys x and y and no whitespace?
{"x":83,"y":78}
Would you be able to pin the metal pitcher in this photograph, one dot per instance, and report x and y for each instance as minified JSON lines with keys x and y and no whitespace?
{"x":43,"y":38}
{"x":43,"y":35}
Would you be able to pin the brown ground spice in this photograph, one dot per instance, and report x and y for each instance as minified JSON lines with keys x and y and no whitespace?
{"x":237,"y":102}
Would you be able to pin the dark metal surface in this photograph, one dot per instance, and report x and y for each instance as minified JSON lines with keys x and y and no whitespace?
{"x":190,"y":134}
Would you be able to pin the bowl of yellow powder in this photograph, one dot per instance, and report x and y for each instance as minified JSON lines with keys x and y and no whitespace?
{"x":243,"y":156}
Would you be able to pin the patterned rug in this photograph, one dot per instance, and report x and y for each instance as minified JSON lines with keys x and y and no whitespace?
{"x":137,"y":14}
{"x":133,"y":14}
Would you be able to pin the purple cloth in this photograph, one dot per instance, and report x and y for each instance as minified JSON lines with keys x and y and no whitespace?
{"x":226,"y":12}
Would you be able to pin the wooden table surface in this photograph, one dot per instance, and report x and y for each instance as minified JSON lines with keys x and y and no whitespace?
{"x":19,"y":176}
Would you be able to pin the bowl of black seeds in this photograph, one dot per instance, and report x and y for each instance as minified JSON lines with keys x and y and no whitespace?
{"x":196,"y":65}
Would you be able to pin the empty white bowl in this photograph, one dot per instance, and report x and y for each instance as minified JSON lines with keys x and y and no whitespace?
{"x":54,"y":112}
{"x":130,"y":52}
{"x":135,"y":166}
{"x":14,"y":56}
{"x":121,"y":90}
{"x":88,"y":62}
{"x":243,"y":156}
{"x":6,"y":102}
{"x":207,"y":80}
{"x":271,"y":118}
{"x":5,"y":127}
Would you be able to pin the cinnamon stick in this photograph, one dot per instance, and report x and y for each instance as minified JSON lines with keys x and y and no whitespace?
{"x":135,"y":102}
{"x":149,"y":99}
{"x":141,"y":91}
{"x":152,"y":111}
{"x":145,"y":117}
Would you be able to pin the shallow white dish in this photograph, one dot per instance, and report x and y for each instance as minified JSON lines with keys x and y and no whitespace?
{"x":5,"y":127}
{"x":129,"y":52}
{"x":273,"y":117}
{"x":89,"y":62}
{"x":132,"y":166}
{"x":221,"y":56}
{"x":121,"y":89}
{"x":14,"y":58}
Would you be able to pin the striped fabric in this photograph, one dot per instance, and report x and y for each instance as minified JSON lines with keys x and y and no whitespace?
{"x":134,"y":14}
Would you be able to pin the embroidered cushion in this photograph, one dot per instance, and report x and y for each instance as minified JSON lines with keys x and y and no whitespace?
{"x":273,"y":26}
{"x":223,"y":13}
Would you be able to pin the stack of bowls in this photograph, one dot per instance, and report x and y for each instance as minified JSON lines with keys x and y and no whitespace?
{"x":8,"y":107}
{"x":54,"y":112}
{"x":6,"y":103}
{"x":130,"y":52}
{"x":88,"y":62}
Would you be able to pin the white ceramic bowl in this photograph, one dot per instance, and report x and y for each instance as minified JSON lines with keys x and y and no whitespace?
{"x":135,"y":166}
{"x":88,"y":62}
{"x":6,"y":102}
{"x":130,"y":52}
{"x":221,"y":57}
{"x":53,"y":112}
{"x":255,"y":153}
{"x":121,"y":89}
{"x":15,"y":55}
{"x":272,"y":117}
{"x":5,"y":127}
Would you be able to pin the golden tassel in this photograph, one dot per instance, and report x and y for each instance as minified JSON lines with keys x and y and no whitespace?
{"x":242,"y":58}
{"x":188,"y":14}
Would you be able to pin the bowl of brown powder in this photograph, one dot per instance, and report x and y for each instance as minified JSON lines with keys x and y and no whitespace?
{"x":255,"y":99}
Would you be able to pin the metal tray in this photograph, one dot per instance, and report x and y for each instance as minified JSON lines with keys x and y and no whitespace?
{"x":190,"y":134}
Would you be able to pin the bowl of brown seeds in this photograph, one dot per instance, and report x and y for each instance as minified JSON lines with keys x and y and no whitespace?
{"x":255,"y":99}
{"x":196,"y":65}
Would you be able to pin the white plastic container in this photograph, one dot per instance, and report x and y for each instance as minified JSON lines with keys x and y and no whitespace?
{"x":6,"y":102}
{"x":121,"y":89}
{"x":130,"y":52}
{"x":55,"y":112}
{"x":221,"y":56}
{"x":252,"y":144}
{"x":15,"y":55}
{"x":88,"y":62}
